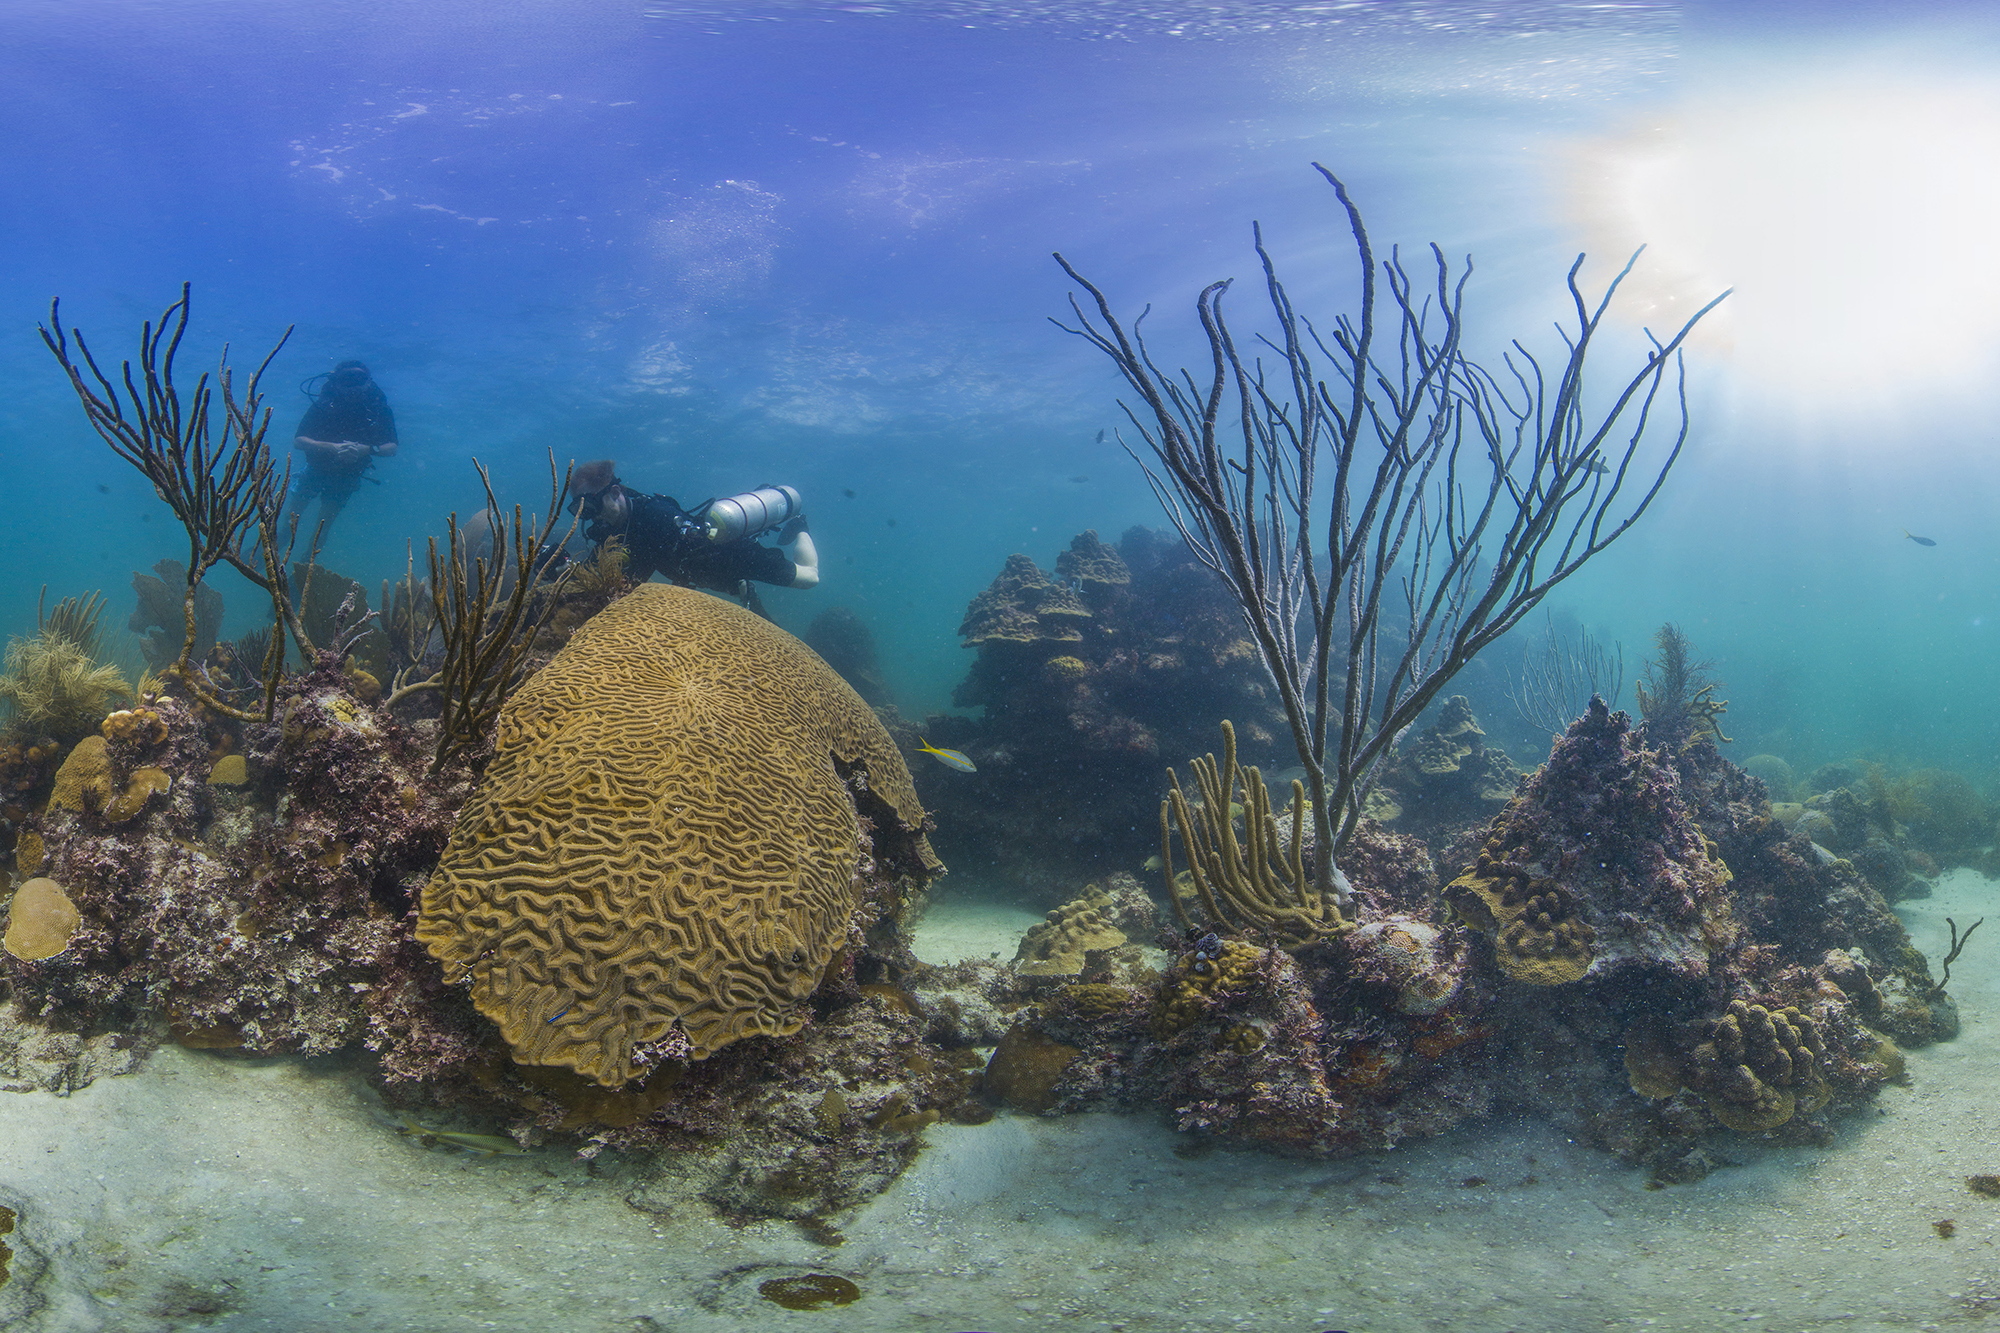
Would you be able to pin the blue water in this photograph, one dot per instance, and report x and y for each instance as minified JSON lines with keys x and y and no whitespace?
{"x":735,"y":243}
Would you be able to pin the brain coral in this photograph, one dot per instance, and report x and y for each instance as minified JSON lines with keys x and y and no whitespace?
{"x":663,"y":841}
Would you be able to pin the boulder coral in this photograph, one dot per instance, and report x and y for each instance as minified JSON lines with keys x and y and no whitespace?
{"x":661,"y":858}
{"x":41,"y":921}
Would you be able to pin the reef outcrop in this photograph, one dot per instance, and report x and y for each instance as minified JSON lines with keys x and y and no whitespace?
{"x":1089,"y":681}
{"x":1633,"y":948}
{"x":1446,"y":778}
{"x":273,"y":886}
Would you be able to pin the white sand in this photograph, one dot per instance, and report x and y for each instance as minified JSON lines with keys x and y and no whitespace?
{"x":961,"y":927}
{"x":232,"y":1195}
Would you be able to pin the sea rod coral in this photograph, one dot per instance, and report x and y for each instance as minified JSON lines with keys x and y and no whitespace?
{"x":1316,"y":585}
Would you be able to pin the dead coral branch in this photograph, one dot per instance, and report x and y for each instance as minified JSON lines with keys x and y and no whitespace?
{"x":218,"y":477}
{"x":1254,"y":885}
{"x":1457,"y":498}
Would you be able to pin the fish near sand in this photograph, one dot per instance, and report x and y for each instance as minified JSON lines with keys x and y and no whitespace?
{"x":949,"y":758}
{"x":1921,"y":541}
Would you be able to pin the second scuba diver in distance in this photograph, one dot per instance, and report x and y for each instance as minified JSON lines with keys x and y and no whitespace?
{"x":347,"y":428}
{"x":712,"y":546}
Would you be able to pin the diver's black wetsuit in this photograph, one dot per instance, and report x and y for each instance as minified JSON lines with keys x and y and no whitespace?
{"x":663,"y":538}
{"x":360,"y":415}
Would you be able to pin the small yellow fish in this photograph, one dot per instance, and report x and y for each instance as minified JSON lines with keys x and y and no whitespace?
{"x":949,"y":758}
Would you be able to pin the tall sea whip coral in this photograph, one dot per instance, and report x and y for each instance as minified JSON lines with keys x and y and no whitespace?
{"x":1416,"y":424}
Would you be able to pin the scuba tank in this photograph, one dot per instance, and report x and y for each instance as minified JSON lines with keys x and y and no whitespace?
{"x":750,"y":514}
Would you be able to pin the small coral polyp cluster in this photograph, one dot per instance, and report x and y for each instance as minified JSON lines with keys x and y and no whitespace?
{"x":1634,"y":948}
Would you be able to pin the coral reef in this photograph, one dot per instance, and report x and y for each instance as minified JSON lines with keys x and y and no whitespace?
{"x":1634,"y":948}
{"x":1644,"y":892}
{"x":1932,"y":809}
{"x":267,"y":917}
{"x":1088,"y":684}
{"x":265,"y":901}
{"x":677,"y":886}
{"x":1023,"y":606}
{"x":1898,"y":829}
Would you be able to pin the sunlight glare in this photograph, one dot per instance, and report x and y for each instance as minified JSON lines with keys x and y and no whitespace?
{"x":1856,"y":220}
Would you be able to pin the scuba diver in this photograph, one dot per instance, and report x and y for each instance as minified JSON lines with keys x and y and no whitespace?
{"x":346,"y":429}
{"x":712,"y":546}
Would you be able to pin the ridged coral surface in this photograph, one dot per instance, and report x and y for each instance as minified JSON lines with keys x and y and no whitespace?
{"x":661,"y":839}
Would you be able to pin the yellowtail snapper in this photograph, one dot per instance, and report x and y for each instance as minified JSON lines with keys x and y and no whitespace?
{"x":949,"y":758}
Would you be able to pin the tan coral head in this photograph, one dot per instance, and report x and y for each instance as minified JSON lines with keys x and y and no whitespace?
{"x":41,"y":921}
{"x":664,"y":854}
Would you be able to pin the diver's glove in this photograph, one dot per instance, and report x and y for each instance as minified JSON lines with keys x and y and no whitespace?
{"x":790,"y":532}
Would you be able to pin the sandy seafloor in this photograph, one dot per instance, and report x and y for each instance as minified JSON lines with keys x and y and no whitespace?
{"x":206,"y":1192}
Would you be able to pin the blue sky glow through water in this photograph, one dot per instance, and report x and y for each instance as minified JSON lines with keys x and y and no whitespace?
{"x":729,"y":244}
